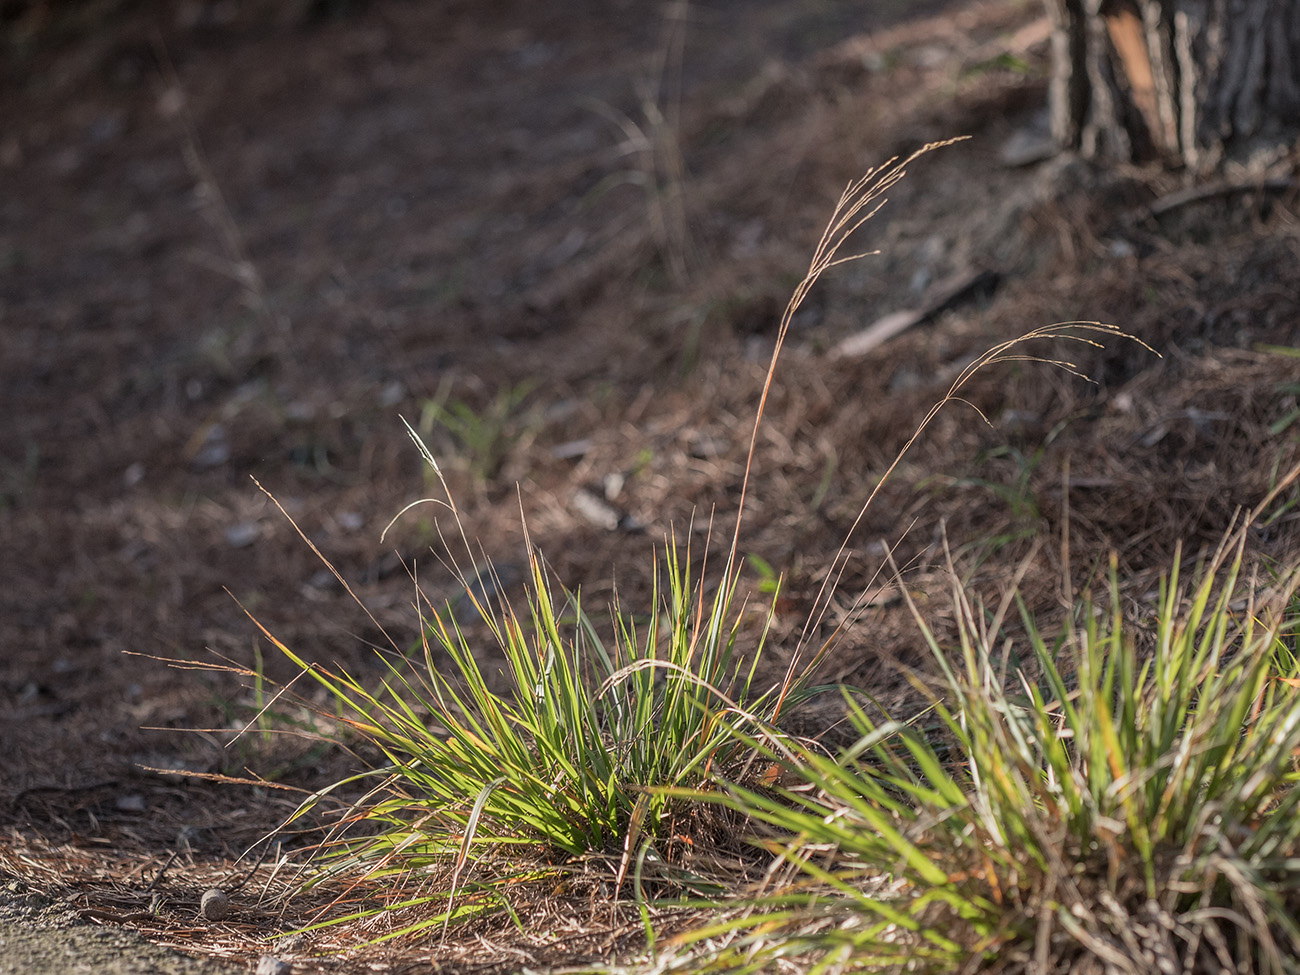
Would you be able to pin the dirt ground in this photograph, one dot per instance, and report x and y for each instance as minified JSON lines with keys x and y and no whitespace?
{"x":243,"y":240}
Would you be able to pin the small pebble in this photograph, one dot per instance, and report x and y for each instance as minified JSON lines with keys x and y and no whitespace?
{"x":242,"y":534}
{"x":270,"y":965}
{"x":290,"y":943}
{"x":215,"y":904}
{"x":132,"y":803}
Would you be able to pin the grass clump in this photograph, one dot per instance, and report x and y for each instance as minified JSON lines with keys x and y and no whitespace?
{"x":1124,"y":800}
{"x":569,"y":756}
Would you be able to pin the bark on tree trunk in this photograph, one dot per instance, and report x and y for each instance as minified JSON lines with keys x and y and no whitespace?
{"x":1180,"y":80}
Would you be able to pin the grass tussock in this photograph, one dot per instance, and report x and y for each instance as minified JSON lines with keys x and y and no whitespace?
{"x":570,"y":756}
{"x":1116,"y":794}
{"x":1121,"y":797}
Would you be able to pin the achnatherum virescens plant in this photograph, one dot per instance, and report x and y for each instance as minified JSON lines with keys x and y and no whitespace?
{"x":1129,"y":799}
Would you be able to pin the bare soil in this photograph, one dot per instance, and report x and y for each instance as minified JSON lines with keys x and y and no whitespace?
{"x":243,"y":240}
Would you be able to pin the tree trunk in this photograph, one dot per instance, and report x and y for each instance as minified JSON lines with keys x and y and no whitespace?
{"x":1184,"y":81}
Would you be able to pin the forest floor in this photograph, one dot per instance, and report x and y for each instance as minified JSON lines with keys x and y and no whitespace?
{"x":243,"y":240}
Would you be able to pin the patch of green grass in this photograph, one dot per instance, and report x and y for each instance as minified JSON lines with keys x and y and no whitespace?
{"x":1006,"y":61}
{"x":564,"y":756}
{"x":769,"y":580}
{"x":571,"y":752}
{"x":653,"y":143}
{"x":1127,"y":802}
{"x":1283,"y":423}
{"x":1016,"y":493}
{"x":481,"y":438}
